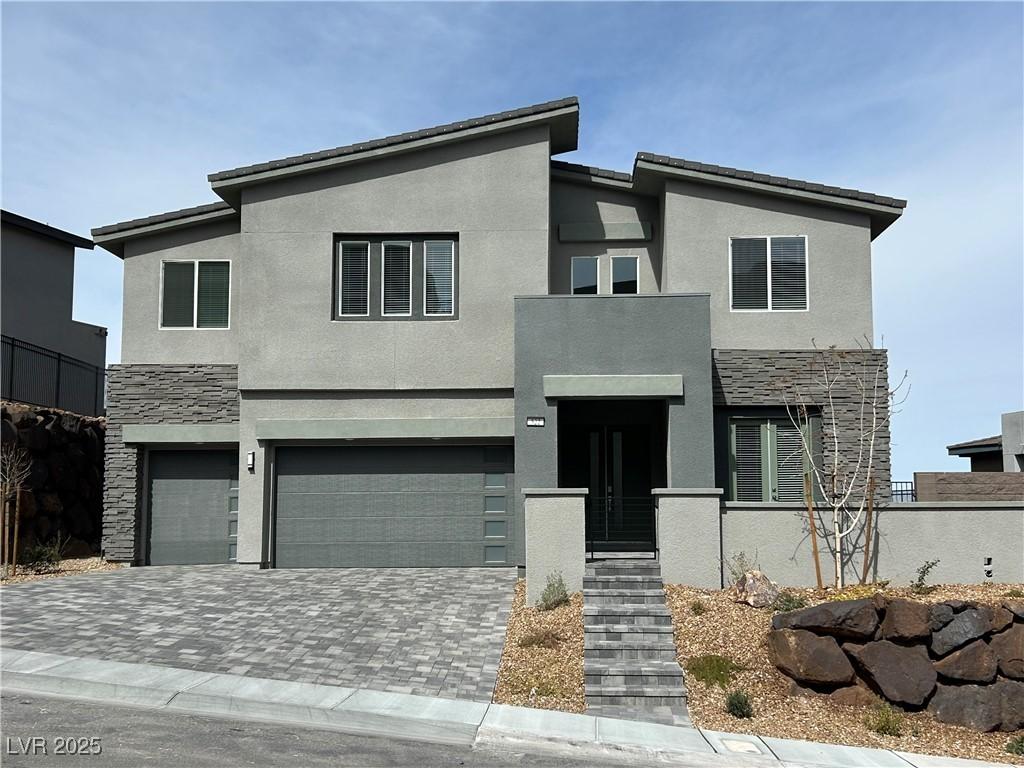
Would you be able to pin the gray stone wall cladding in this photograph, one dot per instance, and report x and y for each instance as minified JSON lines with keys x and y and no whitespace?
{"x":153,"y":394}
{"x":764,"y":378}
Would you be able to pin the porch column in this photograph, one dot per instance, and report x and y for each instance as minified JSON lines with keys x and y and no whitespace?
{"x":689,"y":534}
{"x":555,"y":538}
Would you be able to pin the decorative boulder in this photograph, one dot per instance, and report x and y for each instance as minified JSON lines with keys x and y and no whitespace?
{"x":853,"y":696}
{"x":809,"y":659}
{"x":1016,"y":607}
{"x":755,"y":589}
{"x":973,"y":706}
{"x":906,"y":620}
{"x":904,"y":675}
{"x":1008,"y":647}
{"x":940,"y":615}
{"x":1011,"y":698}
{"x":968,"y":625}
{"x":974,"y":663}
{"x":850,"y":619}
{"x":1001,"y":619}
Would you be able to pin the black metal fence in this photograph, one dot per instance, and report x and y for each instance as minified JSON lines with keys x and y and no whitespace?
{"x":40,"y":376}
{"x":620,"y":524}
{"x":903,"y":490}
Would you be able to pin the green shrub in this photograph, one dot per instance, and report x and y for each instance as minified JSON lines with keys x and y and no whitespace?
{"x":738,"y":704}
{"x":545,"y":638}
{"x":45,"y":558}
{"x":554,"y":593}
{"x":712,"y":669}
{"x":1015,"y":746}
{"x":885,"y":720}
{"x":920,"y":586}
{"x":788,"y":601}
{"x":697,"y":608}
{"x":1016,"y":593}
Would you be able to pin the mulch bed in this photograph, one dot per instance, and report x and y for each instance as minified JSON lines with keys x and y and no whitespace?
{"x":738,"y":632}
{"x":542,"y":662}
{"x":67,"y":567}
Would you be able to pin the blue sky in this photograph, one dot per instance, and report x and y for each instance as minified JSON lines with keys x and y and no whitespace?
{"x":114,"y":111}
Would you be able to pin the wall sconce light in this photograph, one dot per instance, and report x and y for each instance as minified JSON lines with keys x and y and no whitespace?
{"x":250,"y":461}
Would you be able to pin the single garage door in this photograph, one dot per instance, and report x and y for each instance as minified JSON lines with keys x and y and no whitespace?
{"x":377,"y":506}
{"x":193,"y":507}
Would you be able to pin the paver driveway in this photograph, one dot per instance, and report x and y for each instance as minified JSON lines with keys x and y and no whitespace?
{"x":435,"y":632}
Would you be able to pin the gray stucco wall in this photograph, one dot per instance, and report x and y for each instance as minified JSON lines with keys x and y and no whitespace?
{"x":614,"y":335}
{"x":746,"y":378}
{"x":142,"y":339}
{"x":153,"y":394}
{"x":491,"y":192}
{"x":580,"y":203}
{"x":38,"y":276}
{"x":700,"y":219}
{"x":1013,"y":441}
{"x":960,"y":535}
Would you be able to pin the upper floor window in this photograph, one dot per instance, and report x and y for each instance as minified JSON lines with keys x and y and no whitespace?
{"x":584,"y":275}
{"x":624,"y":274}
{"x":195,"y":294}
{"x":396,"y":277}
{"x":768,"y":273}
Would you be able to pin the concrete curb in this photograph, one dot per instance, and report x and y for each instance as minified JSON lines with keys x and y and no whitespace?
{"x":425,"y":718}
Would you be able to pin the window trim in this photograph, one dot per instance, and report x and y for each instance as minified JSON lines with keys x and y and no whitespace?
{"x":383,"y":260}
{"x":341,"y":273}
{"x":451,"y":257}
{"x":195,"y":296}
{"x":611,"y":274}
{"x":768,"y":256}
{"x":572,"y":271}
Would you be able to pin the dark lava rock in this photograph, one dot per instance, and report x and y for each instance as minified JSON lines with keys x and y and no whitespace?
{"x":902,"y":674}
{"x":906,"y":620}
{"x":974,"y":663}
{"x":969,"y":624}
{"x":851,"y":619}
{"x":1008,"y":647}
{"x":809,"y":659}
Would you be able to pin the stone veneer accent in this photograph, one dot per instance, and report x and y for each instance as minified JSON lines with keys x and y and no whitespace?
{"x":153,"y":394}
{"x":745,"y":377}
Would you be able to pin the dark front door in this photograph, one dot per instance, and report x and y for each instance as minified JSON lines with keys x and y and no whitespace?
{"x":617,"y":461}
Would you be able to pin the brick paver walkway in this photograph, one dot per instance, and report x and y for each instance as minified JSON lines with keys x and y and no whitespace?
{"x":434,"y":632}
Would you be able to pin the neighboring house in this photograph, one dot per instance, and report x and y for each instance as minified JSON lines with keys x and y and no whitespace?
{"x":49,"y":359}
{"x":997,"y":468}
{"x":364,"y":356}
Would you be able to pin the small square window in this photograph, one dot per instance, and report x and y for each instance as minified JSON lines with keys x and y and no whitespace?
{"x":495,"y":529}
{"x":494,"y":555}
{"x":624,"y":274}
{"x":494,"y":504}
{"x":494,"y":480}
{"x":584,"y":275}
{"x":232,"y":527}
{"x":195,"y":294}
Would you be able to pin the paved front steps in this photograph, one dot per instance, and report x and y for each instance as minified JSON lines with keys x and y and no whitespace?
{"x":629,"y":664}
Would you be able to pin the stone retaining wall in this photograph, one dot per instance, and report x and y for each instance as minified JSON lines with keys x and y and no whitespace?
{"x":969,"y":486}
{"x":962,"y":661}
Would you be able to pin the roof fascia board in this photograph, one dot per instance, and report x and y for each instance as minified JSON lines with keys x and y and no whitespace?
{"x":114,"y":241}
{"x":39,"y":228}
{"x":226,"y":187}
{"x":585,"y":178}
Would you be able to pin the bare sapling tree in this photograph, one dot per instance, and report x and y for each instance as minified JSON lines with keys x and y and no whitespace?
{"x":15,"y":467}
{"x":849,"y":391}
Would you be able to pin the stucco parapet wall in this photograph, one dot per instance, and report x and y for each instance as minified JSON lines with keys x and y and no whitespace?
{"x":179,"y":433}
{"x":568,"y":492}
{"x":640,"y":385}
{"x":368,"y":429}
{"x":672,"y":492}
{"x":907,"y":506}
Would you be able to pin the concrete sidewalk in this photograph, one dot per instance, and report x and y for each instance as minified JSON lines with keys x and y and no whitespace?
{"x":425,"y":718}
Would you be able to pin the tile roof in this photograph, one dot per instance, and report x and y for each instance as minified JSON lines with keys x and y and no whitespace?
{"x":161,"y":218}
{"x":775,"y":181}
{"x":603,"y":173}
{"x":401,"y":138}
{"x":995,"y":443}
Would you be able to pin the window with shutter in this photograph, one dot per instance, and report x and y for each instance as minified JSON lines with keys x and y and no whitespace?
{"x":624,"y":274}
{"x":789,"y":273}
{"x":767,"y":459}
{"x":214,"y":289}
{"x":768,"y":273}
{"x":396,"y":279}
{"x":178,"y":300}
{"x":354,"y":280}
{"x":789,"y":460}
{"x":748,"y":460}
{"x":438,"y":277}
{"x":584,"y":275}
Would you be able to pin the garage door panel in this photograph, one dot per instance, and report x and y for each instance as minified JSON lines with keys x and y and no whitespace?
{"x":422,"y":506}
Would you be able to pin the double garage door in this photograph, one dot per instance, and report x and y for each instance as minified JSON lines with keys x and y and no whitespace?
{"x":393,"y":506}
{"x":365,"y":506}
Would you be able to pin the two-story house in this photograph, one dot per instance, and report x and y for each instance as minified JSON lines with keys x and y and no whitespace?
{"x":364,"y":356}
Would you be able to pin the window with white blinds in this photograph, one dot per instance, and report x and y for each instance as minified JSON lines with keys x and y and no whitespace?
{"x":354,"y":279}
{"x":438,"y":277}
{"x":396,"y":278}
{"x":195,"y":294}
{"x":768,"y":273}
{"x":767,"y":461}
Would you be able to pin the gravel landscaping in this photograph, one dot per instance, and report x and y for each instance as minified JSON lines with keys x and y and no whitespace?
{"x":67,"y":567}
{"x":709,"y":622}
{"x":542,"y":663}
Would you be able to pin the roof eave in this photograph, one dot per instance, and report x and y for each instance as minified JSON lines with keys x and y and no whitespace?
{"x":46,"y":230}
{"x":115,"y":241}
{"x":578,"y":177}
{"x":564,"y":124}
{"x":882,"y":216}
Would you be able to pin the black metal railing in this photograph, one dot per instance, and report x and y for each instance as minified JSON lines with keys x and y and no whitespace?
{"x":40,"y":376}
{"x":903,"y":490}
{"x":620,"y":524}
